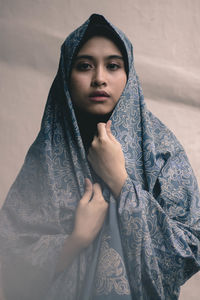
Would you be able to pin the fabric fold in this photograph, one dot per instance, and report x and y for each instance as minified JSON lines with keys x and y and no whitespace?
{"x":150,"y":242}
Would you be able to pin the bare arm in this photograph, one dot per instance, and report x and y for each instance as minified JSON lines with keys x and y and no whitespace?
{"x":90,"y":215}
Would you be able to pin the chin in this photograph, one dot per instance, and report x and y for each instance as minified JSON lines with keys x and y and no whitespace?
{"x":99,"y":113}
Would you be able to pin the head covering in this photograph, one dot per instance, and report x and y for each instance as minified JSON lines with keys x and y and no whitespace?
{"x":98,"y":26}
{"x":150,"y":242}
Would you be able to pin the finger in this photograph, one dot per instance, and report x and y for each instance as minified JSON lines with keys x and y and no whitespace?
{"x":88,"y":185}
{"x":97,"y":193}
{"x":101,"y":130}
{"x":108,"y":127}
{"x":94,"y":138}
{"x":88,"y":191}
{"x":108,"y":130}
{"x":97,"y":188}
{"x":94,"y":142}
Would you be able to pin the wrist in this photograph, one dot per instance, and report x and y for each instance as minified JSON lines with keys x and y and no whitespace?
{"x":116,"y":183}
{"x":80,"y":242}
{"x":71,"y":249}
{"x":76,"y":242}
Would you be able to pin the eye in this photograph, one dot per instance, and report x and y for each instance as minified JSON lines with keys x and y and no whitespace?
{"x":83,"y":66}
{"x":113,"y":66}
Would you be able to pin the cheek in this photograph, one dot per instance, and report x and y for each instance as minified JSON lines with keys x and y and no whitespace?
{"x":78,"y":89}
{"x":78,"y":83}
{"x":74,"y":87}
{"x":120,"y":84}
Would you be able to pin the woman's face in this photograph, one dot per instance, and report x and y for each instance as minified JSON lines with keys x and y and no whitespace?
{"x":98,"y":76}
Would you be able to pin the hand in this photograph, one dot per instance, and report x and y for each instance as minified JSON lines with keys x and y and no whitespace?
{"x":90,"y":214}
{"x":107,"y":159}
{"x":89,"y":218}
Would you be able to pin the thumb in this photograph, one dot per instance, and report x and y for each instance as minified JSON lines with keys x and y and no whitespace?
{"x":88,"y":191}
{"x":101,"y":130}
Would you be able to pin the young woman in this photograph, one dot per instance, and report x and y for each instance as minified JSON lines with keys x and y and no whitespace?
{"x":106,"y":205}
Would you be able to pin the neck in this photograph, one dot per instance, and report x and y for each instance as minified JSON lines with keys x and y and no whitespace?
{"x":88,"y":125}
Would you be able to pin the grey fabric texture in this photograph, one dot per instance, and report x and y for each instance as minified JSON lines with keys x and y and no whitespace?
{"x":150,"y":242}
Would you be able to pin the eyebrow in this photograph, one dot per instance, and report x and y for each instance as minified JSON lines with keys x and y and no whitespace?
{"x":90,"y":57}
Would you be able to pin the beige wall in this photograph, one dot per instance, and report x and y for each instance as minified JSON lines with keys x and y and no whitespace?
{"x":166,"y":38}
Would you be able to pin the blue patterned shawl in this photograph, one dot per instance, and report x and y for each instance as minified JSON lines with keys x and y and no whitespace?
{"x":150,"y":242}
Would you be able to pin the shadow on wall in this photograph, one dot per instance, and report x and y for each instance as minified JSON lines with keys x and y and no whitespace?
{"x":162,"y":80}
{"x":1,"y":288}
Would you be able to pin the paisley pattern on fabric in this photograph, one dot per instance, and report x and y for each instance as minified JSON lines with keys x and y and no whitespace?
{"x":110,"y":274}
{"x":153,"y":226}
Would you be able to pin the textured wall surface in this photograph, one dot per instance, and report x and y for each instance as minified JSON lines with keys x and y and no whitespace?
{"x":166,"y":39}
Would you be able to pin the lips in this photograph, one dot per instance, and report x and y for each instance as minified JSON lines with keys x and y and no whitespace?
{"x":99,"y":96}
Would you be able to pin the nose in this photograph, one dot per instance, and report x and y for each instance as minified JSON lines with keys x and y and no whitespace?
{"x":99,"y":77}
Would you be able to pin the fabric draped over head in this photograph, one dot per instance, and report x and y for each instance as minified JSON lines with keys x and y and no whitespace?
{"x":150,"y":242}
{"x":98,"y":26}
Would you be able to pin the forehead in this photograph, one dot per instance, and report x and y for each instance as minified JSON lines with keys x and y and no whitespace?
{"x":99,"y":45}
